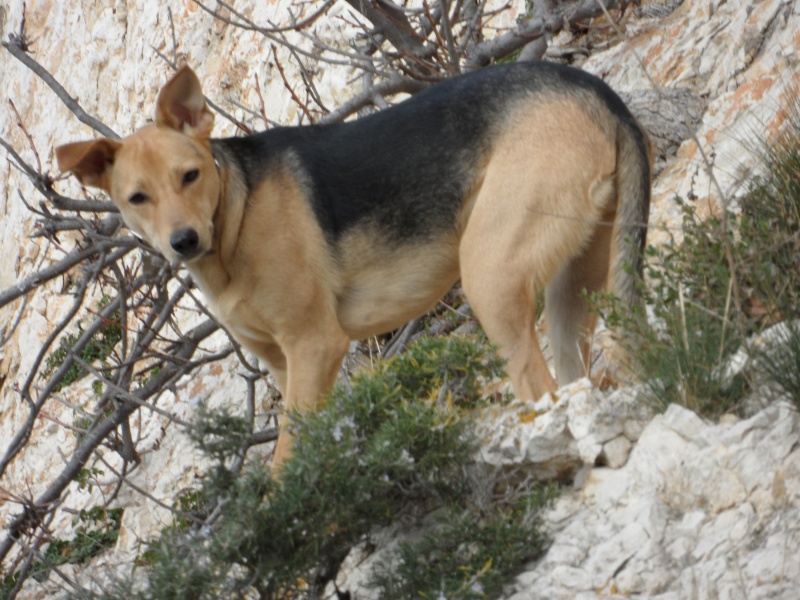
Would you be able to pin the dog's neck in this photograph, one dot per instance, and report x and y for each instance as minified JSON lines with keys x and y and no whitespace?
{"x":214,"y":272}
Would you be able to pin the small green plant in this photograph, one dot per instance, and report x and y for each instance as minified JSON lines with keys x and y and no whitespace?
{"x":682,"y":346}
{"x":96,"y":530}
{"x":726,"y":281}
{"x":219,"y":434}
{"x":771,"y":219}
{"x":449,"y":369}
{"x":99,"y":348}
{"x":190,"y":507}
{"x":779,"y":359}
{"x":85,"y":477}
{"x":770,"y":228}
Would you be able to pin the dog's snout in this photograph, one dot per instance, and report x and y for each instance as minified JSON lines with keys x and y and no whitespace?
{"x":185,"y":242}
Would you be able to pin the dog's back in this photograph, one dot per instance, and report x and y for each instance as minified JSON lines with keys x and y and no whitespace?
{"x":409,"y":168}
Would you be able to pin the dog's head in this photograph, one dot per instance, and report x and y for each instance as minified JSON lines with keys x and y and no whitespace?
{"x":163,"y":178}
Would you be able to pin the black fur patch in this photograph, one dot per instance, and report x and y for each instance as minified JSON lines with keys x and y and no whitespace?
{"x":406,"y":169}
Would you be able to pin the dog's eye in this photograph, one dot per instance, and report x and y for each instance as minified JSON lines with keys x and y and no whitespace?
{"x":137,"y":198}
{"x":190,"y":176}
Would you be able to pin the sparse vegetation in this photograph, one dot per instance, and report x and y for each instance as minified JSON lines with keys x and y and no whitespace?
{"x":397,"y":445}
{"x":471,"y":555}
{"x":96,"y":530}
{"x":704,"y":306}
{"x":99,"y":348}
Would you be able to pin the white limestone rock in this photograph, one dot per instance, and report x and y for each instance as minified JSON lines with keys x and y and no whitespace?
{"x":721,"y":502}
{"x":615,"y":452}
{"x":572,"y":433}
{"x":710,"y":512}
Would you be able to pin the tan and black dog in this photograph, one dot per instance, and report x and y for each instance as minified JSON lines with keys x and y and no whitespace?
{"x":515,"y":178}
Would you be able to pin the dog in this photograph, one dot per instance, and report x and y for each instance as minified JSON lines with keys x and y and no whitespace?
{"x":517,"y":179}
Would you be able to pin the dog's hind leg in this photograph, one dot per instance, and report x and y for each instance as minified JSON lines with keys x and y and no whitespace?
{"x":547,"y":182}
{"x":506,"y":311}
{"x":501,"y":277}
{"x":525,"y":229}
{"x":569,"y":323}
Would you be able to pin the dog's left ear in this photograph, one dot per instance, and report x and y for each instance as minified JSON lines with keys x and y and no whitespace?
{"x":182,"y":106}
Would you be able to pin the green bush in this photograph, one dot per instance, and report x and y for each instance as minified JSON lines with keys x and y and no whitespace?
{"x":770,"y":230}
{"x":697,"y":328}
{"x":99,"y":348}
{"x":394,"y":443}
{"x":778,"y":359}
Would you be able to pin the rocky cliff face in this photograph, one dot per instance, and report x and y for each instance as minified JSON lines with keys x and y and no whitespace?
{"x":697,"y":510}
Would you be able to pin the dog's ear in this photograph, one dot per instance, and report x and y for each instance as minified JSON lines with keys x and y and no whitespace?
{"x":182,"y":106}
{"x":89,"y":161}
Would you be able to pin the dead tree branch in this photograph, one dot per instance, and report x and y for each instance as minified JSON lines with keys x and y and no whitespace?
{"x":17,"y":46}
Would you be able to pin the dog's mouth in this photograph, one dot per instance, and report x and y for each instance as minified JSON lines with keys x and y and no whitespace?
{"x":196,"y":256}
{"x":206,"y":254}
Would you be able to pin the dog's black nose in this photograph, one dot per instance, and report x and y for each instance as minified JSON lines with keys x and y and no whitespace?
{"x":185,"y":242}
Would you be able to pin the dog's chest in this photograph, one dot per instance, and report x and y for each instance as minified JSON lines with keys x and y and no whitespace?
{"x":236,"y":310}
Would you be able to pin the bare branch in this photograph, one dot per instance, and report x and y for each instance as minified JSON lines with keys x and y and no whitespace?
{"x":31,"y":517}
{"x":448,"y":36}
{"x":545,"y":22}
{"x":391,"y":22}
{"x":296,"y":25}
{"x":16,"y":46}
{"x":23,"y":435}
{"x":123,"y":394}
{"x":302,"y":105}
{"x":74,"y":258}
{"x":396,"y":85}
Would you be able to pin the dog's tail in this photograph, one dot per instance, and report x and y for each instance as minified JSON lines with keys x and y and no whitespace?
{"x":634,"y":179}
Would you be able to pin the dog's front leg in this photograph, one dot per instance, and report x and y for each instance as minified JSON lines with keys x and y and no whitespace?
{"x":274,"y":358}
{"x":313,"y":363}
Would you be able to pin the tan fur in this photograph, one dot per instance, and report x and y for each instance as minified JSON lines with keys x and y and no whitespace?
{"x":269,"y":276}
{"x":375,"y":300}
{"x":534,"y":221}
